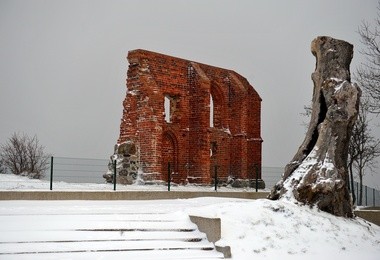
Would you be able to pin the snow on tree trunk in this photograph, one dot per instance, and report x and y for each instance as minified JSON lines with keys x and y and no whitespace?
{"x":318,"y":173}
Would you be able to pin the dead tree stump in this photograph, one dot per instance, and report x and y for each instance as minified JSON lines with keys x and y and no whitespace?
{"x":318,"y":173}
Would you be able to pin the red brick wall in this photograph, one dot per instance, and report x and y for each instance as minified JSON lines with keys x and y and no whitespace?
{"x":186,"y":141}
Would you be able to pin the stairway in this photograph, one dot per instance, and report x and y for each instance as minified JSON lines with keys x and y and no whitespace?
{"x":99,"y":235}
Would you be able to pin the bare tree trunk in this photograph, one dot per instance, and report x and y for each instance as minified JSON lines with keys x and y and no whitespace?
{"x":318,"y":173}
{"x":352,"y":183}
{"x":360,"y":199}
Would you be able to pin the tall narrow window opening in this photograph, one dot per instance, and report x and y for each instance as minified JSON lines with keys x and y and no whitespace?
{"x":211,"y":111}
{"x":167,"y":105}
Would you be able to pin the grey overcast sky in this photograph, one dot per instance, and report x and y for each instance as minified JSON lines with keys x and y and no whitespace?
{"x":63,"y":65}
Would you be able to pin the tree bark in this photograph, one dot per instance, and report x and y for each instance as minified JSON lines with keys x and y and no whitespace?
{"x":318,"y":173}
{"x":360,"y":200}
{"x":352,"y":183}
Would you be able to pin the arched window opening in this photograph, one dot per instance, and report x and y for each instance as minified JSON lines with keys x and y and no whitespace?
{"x":169,"y":154}
{"x":217,"y":113}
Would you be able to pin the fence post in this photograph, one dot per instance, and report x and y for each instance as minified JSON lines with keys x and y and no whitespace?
{"x":366,"y":198}
{"x":257,"y":177}
{"x":216,"y":177}
{"x":374,"y":201}
{"x":114,"y":175}
{"x":51,"y":173}
{"x":169,"y":176}
{"x":357,"y":194}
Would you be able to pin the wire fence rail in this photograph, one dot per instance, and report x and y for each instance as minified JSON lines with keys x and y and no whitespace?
{"x":91,"y":171}
{"x":77,"y":170}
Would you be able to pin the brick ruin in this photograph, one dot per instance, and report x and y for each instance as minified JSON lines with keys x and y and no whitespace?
{"x":191,"y":115}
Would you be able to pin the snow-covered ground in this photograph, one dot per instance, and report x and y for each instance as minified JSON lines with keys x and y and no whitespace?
{"x":259,"y":229}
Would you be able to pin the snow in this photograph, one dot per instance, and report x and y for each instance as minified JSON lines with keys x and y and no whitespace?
{"x":340,"y":83}
{"x":227,"y":130}
{"x":339,"y":87}
{"x":255,"y":229}
{"x":336,"y":79}
{"x":133,"y":92}
{"x":13,"y":182}
{"x":100,"y":230}
{"x":264,"y":229}
{"x":327,"y":178}
{"x":298,"y":174}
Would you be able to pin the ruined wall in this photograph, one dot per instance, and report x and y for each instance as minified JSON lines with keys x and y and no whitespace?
{"x":183,"y":135}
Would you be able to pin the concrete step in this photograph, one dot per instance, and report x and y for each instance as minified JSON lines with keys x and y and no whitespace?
{"x":115,"y":255}
{"x":30,"y":236}
{"x":126,"y":235}
{"x":80,"y":222}
{"x":101,"y":246}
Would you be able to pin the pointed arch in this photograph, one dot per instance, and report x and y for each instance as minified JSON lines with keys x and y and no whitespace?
{"x":169,"y":153}
{"x":218,"y":110}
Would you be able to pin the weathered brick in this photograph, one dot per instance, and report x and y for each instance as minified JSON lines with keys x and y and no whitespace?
{"x":188,"y":141}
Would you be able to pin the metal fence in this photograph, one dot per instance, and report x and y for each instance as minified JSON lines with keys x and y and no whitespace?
{"x":271,"y":175}
{"x":76,"y":170}
{"x":371,"y":196}
{"x":84,"y":170}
